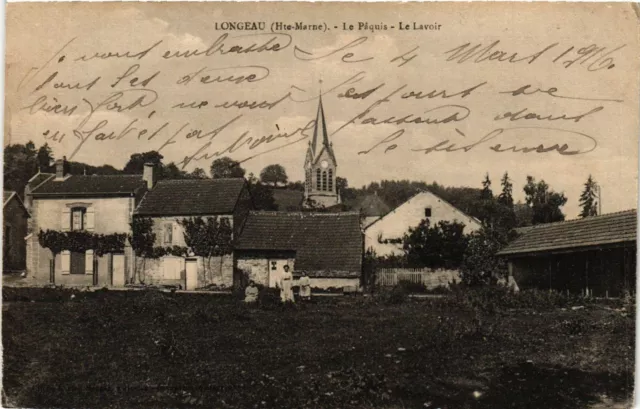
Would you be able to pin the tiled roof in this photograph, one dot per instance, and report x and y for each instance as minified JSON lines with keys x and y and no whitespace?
{"x":183,"y":197}
{"x":329,"y":243}
{"x":38,"y":179}
{"x":10,"y":194}
{"x":288,"y":199}
{"x":87,"y":186}
{"x":574,"y":234}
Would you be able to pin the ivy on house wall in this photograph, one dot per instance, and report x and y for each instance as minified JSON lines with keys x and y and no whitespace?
{"x":143,"y":238}
{"x":81,"y":241}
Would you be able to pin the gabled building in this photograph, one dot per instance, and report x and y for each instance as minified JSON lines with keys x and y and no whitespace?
{"x":61,"y":203}
{"x":15,"y":218}
{"x":327,"y":247}
{"x":320,"y":167}
{"x":167,"y":204}
{"x":595,"y":255}
{"x":385,"y":234}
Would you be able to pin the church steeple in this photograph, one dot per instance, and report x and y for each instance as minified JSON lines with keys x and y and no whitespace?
{"x":320,"y":129}
{"x":320,"y":165}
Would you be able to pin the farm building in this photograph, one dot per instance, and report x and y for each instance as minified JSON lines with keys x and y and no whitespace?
{"x":385,"y":234}
{"x":595,"y":255}
{"x":168,"y":203}
{"x":327,"y":247}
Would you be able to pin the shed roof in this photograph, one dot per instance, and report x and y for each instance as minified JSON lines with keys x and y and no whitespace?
{"x":592,"y":231}
{"x":8,"y":195}
{"x":93,"y":185}
{"x":184,"y":197}
{"x":323,"y":242}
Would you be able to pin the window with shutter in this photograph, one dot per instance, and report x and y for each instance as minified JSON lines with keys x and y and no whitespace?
{"x":65,"y":259}
{"x":65,"y":222}
{"x":88,"y":264}
{"x":89,"y":219}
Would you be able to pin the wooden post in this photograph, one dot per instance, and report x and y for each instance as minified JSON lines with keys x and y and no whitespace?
{"x":586,"y":273}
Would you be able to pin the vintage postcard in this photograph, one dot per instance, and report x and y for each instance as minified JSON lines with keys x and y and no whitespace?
{"x":320,"y":205}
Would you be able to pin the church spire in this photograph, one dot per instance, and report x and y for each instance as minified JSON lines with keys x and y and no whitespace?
{"x":320,"y":129}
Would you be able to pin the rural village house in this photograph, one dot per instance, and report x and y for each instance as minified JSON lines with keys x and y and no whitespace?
{"x":16,"y":217}
{"x":327,"y":247}
{"x":78,"y":214}
{"x":167,"y":204}
{"x":385,"y":234}
{"x":595,"y":255}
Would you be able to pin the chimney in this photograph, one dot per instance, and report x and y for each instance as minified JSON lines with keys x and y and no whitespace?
{"x":149,"y":175}
{"x":62,"y":168}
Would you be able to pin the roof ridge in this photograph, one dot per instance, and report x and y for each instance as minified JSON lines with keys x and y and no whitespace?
{"x":293,"y":213}
{"x":199,"y":180}
{"x":583,"y":219}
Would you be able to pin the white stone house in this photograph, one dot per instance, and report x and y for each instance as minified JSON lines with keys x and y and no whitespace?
{"x":384,"y":235}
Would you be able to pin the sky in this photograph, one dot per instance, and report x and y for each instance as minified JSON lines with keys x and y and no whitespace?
{"x":382,"y":88}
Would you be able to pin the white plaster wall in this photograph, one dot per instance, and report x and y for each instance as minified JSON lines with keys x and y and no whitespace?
{"x":398,"y":222}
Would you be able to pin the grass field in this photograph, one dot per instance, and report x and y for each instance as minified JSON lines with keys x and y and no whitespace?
{"x":161,"y":350}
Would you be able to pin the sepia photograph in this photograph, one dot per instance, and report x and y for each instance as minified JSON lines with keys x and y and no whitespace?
{"x":320,"y":205}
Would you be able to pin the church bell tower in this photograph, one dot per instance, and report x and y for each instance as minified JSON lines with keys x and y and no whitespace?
{"x":320,"y":167}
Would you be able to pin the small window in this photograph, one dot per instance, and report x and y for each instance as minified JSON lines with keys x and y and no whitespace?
{"x":330,"y":181}
{"x":324,"y":180}
{"x":427,"y":212}
{"x":168,"y":233}
{"x":78,"y":218}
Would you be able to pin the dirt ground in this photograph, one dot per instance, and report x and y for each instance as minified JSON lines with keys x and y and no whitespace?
{"x":148,"y":349}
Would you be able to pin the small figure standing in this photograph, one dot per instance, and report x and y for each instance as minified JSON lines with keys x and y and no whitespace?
{"x":305,"y":288}
{"x":251,"y":293}
{"x":286,"y":285}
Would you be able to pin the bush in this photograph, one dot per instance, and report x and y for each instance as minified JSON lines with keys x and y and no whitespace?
{"x":394,"y":296}
{"x":412,"y":288}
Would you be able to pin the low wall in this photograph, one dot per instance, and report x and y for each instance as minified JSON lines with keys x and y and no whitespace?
{"x":389,"y":277}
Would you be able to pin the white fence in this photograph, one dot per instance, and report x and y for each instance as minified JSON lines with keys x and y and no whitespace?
{"x":427,"y":277}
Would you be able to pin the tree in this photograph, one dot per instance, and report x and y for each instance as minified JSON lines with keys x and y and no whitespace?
{"x":439,"y":246}
{"x":506,"y":196}
{"x":544,"y":202}
{"x":480,"y":265}
{"x":135,"y":165}
{"x":226,"y":167}
{"x":44,"y":158}
{"x":198,"y":173}
{"x":588,"y":198}
{"x":274,"y":174}
{"x":341,"y":184}
{"x":20,"y":164}
{"x":486,"y":193}
{"x":262,"y":195}
{"x":207,"y":238}
{"x":488,"y":204}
